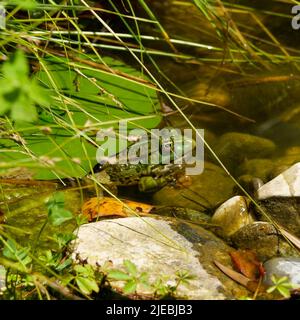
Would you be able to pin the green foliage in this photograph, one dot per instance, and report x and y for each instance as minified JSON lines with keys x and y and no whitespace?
{"x":162,"y":289}
{"x":63,"y":239}
{"x":57,"y":214}
{"x":63,"y":140}
{"x":85,"y":278}
{"x":282,"y":285}
{"x":18,"y":93}
{"x":131,"y":277}
{"x":23,"y":4}
{"x":20,"y":255}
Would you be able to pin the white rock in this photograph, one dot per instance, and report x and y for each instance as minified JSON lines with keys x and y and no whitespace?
{"x":282,"y":267}
{"x":153,"y":246}
{"x":287,"y":184}
{"x":231,"y":216}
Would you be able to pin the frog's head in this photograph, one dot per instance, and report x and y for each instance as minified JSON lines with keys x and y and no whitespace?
{"x":179,"y":147}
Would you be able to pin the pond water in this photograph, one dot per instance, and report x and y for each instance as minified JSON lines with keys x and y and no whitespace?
{"x":237,"y":77}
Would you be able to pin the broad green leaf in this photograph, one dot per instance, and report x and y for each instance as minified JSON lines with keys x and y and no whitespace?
{"x":87,"y":286}
{"x":130,"y":286}
{"x":58,"y":216}
{"x":23,"y":110}
{"x":100,"y":99}
{"x":119,"y":275}
{"x":56,"y":201}
{"x":11,"y":252}
{"x":24,"y":4}
{"x":285,"y":292}
{"x":18,"y":93}
{"x":38,"y":94}
{"x":131,"y":267}
{"x":66,"y":263}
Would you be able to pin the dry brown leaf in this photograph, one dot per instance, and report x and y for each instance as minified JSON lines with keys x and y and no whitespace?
{"x":101,"y":207}
{"x":247,"y":263}
{"x":239,"y":278}
{"x":236,"y":276}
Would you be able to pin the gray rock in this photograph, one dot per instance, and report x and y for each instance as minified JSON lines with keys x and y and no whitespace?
{"x":263,"y":239}
{"x":231,"y":216}
{"x":282,"y":267}
{"x":160,"y":247}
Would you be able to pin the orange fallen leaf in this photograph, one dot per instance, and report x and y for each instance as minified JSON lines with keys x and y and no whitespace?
{"x":106,"y":206}
{"x":246,"y":262}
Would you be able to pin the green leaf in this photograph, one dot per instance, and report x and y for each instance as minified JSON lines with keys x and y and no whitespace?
{"x":64,"y":238}
{"x":119,"y":275}
{"x":17,"y":65}
{"x":284,"y":291}
{"x":87,"y":286}
{"x":68,"y":139}
{"x":130,"y":286}
{"x":144,"y":278}
{"x":23,"y":110}
{"x":58,"y":216}
{"x":131,"y":267}
{"x":66,"y":263}
{"x":56,"y":201}
{"x":9,"y":249}
{"x":38,"y":94}
{"x":24,"y":4}
{"x":11,"y":252}
{"x":18,"y":93}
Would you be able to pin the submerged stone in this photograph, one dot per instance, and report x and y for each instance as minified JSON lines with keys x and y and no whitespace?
{"x":206,"y":191}
{"x":259,"y":168}
{"x":233,"y":148}
{"x":263,"y":239}
{"x":231,"y":216}
{"x":160,"y":247}
{"x":280,"y":198}
{"x":183,"y":213}
{"x":282,"y":267}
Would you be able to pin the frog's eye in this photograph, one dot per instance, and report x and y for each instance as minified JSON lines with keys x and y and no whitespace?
{"x":167,"y":146}
{"x":99,"y":167}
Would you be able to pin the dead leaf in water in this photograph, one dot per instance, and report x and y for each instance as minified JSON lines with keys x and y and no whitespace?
{"x":251,"y":285}
{"x":102,"y":207}
{"x":247,"y":263}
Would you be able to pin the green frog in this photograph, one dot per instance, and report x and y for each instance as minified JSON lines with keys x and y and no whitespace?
{"x":148,"y":177}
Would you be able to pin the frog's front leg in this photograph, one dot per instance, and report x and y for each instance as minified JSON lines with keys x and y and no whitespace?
{"x":150,"y":184}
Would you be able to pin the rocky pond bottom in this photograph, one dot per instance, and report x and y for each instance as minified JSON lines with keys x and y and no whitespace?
{"x":162,"y":247}
{"x":219,"y":242}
